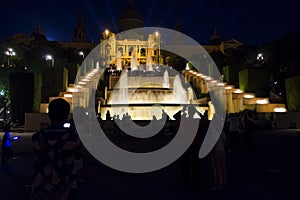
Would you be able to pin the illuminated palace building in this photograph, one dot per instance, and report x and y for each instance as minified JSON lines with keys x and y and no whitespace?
{"x":138,"y":74}
{"x":124,"y":53}
{"x":142,"y":54}
{"x":149,"y":80}
{"x":145,"y":49}
{"x":146,"y":76}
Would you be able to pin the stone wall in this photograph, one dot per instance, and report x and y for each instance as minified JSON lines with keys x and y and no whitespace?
{"x":288,"y":120}
{"x":293,"y":93}
{"x":35,"y":121}
{"x":255,"y":80}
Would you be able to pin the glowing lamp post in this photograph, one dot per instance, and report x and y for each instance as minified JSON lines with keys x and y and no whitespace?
{"x":106,"y":33}
{"x":9,"y":52}
{"x":49,"y":57}
{"x":81,"y":54}
{"x":106,"y":47}
{"x":260,"y":57}
{"x":2,"y":93}
{"x":157,"y":35}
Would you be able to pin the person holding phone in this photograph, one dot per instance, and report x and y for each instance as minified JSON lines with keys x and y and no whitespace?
{"x":6,"y":145}
{"x":56,"y":149}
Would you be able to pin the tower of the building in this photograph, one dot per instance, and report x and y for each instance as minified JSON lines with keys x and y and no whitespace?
{"x":38,"y":34}
{"x":215,"y":39}
{"x":80,"y":32}
{"x":177,"y":39}
{"x":178,"y":26}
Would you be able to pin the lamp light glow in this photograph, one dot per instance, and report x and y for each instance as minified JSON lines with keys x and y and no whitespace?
{"x":220,"y":84}
{"x":48,"y":57}
{"x":208,"y":78}
{"x":260,"y":57}
{"x":68,"y":95}
{"x":248,"y":96}
{"x":238,"y":91}
{"x":280,"y":110}
{"x":81,"y":54}
{"x":262,"y":101}
{"x":72,"y":90}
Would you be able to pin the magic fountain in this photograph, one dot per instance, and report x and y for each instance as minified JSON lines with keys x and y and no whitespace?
{"x":144,"y":96}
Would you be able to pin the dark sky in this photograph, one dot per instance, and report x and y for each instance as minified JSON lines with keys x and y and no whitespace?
{"x":251,"y":21}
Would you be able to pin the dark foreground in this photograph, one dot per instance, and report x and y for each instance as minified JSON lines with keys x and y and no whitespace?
{"x":270,"y":171}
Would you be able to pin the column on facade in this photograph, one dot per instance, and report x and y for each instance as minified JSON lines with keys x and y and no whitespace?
{"x":204,"y":88}
{"x":219,"y":94}
{"x":199,"y":83}
{"x":184,"y":74}
{"x":189,"y":75}
{"x":237,"y":99}
{"x":76,"y":96}
{"x":229,"y":103}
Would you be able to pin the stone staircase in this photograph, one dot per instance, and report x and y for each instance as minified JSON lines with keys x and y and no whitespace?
{"x":90,"y":79}
{"x":236,"y":99}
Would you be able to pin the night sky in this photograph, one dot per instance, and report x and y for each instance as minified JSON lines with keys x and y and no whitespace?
{"x":251,"y":22}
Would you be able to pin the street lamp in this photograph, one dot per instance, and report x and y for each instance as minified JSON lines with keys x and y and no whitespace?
{"x":9,"y":52}
{"x":106,"y":33}
{"x":260,"y":57}
{"x":157,"y":33}
{"x":2,"y":93}
{"x":107,"y":54}
{"x":81,"y":54}
{"x":49,"y":57}
{"x":158,"y":41}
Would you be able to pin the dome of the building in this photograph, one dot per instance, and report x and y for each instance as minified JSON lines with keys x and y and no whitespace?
{"x":130,"y":18}
{"x":131,"y":12}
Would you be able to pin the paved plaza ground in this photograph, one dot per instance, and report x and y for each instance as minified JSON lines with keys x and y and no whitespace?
{"x":270,"y":171}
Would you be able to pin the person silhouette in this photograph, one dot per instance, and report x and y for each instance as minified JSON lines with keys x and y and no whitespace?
{"x":218,"y":158}
{"x":128,"y":116}
{"x":100,"y":120}
{"x":56,"y":149}
{"x":192,"y":111}
{"x":190,"y":160}
{"x":154,"y":118}
{"x":234,"y":132}
{"x":6,"y":145}
{"x":108,"y":116}
{"x":164,"y":116}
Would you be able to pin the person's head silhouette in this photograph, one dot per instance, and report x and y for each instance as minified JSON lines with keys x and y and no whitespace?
{"x":192,"y":111}
{"x":59,"y":110}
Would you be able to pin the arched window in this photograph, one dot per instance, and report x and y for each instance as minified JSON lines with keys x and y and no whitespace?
{"x":143,"y":52}
{"x":130,"y":51}
{"x":120,"y":49}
